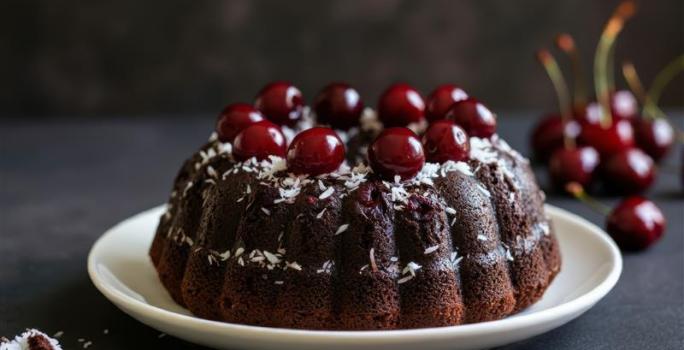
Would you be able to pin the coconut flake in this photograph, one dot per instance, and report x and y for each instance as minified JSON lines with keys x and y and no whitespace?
{"x":405,"y":279}
{"x":212,"y":172}
{"x":341,"y":229}
{"x":455,"y":259}
{"x":320,"y":214}
{"x":271,"y":257}
{"x":327,"y":193}
{"x":431,"y":250}
{"x":371,"y":254}
{"x":411,"y":268}
{"x":188,"y":186}
{"x":481,"y":237}
{"x":293,"y":265}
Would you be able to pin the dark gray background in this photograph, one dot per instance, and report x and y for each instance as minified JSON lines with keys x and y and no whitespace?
{"x":124,"y":57}
{"x":63,"y":182}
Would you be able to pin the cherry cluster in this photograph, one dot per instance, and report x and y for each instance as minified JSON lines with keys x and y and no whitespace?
{"x":255,"y":130}
{"x":609,"y":145}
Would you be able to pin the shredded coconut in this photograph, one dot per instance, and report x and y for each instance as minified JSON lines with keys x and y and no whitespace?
{"x":341,"y":229}
{"x":431,"y":250}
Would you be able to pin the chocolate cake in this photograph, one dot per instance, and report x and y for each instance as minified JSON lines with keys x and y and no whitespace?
{"x":248,"y":241}
{"x":31,"y":339}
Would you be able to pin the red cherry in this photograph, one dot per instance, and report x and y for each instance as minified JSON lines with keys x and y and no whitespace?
{"x":259,"y":140}
{"x":396,"y":151}
{"x":400,"y":105}
{"x":338,"y":105}
{"x":610,"y":140}
{"x":235,"y":118}
{"x":636,"y":223}
{"x":573,"y":165}
{"x":623,"y":105}
{"x":444,"y":140}
{"x":547,"y":135}
{"x":654,"y":136}
{"x":315,"y":151}
{"x":281,"y":102}
{"x":630,"y":171}
{"x":474,"y":117}
{"x":441,"y":99}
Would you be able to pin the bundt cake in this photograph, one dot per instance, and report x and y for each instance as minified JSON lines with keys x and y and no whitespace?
{"x":259,"y":233}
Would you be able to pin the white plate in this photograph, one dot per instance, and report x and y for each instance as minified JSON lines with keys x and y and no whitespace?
{"x":120,"y":268}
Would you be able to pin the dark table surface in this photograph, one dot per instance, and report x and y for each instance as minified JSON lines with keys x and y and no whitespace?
{"x":63,"y":182}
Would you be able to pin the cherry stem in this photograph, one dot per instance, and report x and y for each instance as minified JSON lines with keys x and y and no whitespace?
{"x":602,"y":60}
{"x":650,"y":107}
{"x":662,"y":79}
{"x":566,"y":43}
{"x":578,"y":192}
{"x":632,"y":79}
{"x":553,"y":71}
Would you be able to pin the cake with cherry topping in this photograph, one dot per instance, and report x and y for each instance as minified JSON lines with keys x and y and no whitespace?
{"x":322,"y":219}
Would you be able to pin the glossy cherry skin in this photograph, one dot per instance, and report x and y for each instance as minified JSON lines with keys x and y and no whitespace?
{"x":259,"y":140}
{"x":338,"y":105}
{"x":654,"y":136}
{"x":636,"y":223}
{"x":623,"y":105}
{"x":573,"y":165}
{"x":396,"y":151}
{"x":547,"y":135}
{"x":400,"y":105}
{"x":628,"y":172}
{"x":441,"y":99}
{"x":444,"y":141}
{"x":315,"y":151}
{"x":474,"y":117}
{"x":609,"y":140}
{"x":281,"y":102}
{"x":235,"y":118}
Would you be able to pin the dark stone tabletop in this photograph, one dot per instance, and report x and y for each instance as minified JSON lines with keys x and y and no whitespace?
{"x":63,"y":182}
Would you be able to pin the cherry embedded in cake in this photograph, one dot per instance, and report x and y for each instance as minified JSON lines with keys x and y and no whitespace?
{"x":315,"y":151}
{"x":235,"y":118}
{"x":281,"y":102}
{"x":338,"y":105}
{"x":573,"y":165}
{"x":309,"y":237}
{"x":444,"y":141}
{"x":396,"y":152}
{"x":260,"y":140}
{"x":401,"y":105}
{"x":474,"y":117}
{"x":441,"y":99}
{"x":635,"y":223}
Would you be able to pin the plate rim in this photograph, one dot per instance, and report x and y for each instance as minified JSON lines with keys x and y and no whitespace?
{"x":579,"y":304}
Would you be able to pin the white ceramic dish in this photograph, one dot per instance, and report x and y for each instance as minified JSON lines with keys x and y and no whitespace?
{"x":120,"y":268}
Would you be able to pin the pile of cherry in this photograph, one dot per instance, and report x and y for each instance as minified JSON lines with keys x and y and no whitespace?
{"x":255,"y":130}
{"x":608,"y":146}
